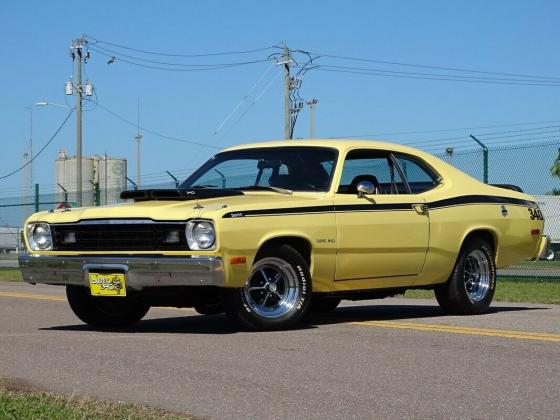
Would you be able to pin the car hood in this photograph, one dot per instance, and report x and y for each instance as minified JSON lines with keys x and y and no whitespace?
{"x":169,"y":209}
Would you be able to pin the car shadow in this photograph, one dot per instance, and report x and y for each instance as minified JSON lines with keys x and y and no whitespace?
{"x":361,"y":313}
{"x":190,"y":324}
{"x":220,"y":324}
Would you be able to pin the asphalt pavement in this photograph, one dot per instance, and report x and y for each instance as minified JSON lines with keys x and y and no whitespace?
{"x":390,"y":358}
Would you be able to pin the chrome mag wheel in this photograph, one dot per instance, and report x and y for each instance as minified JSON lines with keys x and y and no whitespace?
{"x":477,"y":275}
{"x":272,"y":289}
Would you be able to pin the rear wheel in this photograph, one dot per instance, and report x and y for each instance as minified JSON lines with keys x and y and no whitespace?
{"x":470,"y":289}
{"x":105,"y":311}
{"x":277,"y":292}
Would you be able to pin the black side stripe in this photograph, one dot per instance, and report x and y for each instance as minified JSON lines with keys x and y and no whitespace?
{"x":479,"y":199}
{"x":370,"y":207}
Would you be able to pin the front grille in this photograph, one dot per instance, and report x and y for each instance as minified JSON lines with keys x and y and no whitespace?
{"x":119,"y":235}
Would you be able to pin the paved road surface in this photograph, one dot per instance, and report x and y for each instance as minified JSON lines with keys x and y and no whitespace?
{"x":393,"y":358}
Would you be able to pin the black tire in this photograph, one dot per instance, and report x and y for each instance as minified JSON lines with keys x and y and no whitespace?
{"x":209,"y":309}
{"x":104,"y":311}
{"x":471,"y":286}
{"x":323,"y":304}
{"x":287,"y":302}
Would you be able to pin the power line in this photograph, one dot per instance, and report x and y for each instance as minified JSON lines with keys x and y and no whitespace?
{"x":259,"y":96}
{"x":218,"y":67}
{"x":155,"y":133}
{"x":442,"y":130}
{"x":236,"y":107}
{"x":453,"y":76}
{"x":427,"y":76}
{"x":499,"y":144}
{"x":457,"y":69}
{"x":249,"y":51}
{"x":40,"y":151}
{"x":167,"y":63}
{"x":447,"y":139}
{"x":557,"y":131}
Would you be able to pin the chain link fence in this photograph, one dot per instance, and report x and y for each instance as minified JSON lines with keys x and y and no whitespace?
{"x":525,"y":165}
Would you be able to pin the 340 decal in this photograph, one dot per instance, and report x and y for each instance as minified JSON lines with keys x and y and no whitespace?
{"x":535,"y":214}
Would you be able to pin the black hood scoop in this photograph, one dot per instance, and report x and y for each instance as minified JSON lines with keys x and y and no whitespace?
{"x":178,"y":194}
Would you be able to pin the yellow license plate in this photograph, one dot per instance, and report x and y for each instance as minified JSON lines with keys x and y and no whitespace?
{"x":107,"y":284}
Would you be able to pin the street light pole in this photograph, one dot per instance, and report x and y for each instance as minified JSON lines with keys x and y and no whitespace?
{"x":138,"y":138}
{"x":30,"y":144}
{"x":45,"y":103}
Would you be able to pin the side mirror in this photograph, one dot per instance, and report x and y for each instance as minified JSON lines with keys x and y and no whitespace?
{"x":365,"y":188}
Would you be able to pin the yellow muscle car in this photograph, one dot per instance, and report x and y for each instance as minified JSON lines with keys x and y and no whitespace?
{"x":269,"y":231}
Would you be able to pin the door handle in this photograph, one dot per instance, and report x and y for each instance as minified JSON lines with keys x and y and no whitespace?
{"x":421,"y":208}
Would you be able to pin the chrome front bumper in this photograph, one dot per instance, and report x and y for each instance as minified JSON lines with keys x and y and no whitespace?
{"x":140,"y":271}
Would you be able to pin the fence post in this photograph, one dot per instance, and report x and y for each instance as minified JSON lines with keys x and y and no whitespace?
{"x":484,"y":158}
{"x":134,"y":185}
{"x":97,"y":194}
{"x":174,"y":179}
{"x":65,"y":193}
{"x":36,"y":198}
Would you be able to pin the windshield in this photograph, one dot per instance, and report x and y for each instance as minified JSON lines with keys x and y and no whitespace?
{"x":292,"y":168}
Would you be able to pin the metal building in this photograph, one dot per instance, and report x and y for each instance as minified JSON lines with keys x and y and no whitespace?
{"x":110,"y":173}
{"x":103,"y":178}
{"x":9,"y":239}
{"x":65,"y":179}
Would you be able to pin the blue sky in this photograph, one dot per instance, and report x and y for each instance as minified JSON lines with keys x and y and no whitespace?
{"x":499,"y":36}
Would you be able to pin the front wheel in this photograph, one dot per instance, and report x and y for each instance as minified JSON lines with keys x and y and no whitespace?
{"x":104,"y":311}
{"x":470,"y":289}
{"x":277,"y":292}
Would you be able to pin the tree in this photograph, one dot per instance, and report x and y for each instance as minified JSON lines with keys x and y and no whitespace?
{"x":555,"y":168}
{"x":555,"y":171}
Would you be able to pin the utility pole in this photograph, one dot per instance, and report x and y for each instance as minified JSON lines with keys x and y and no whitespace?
{"x":287,"y":90}
{"x":78,"y":54}
{"x":312,"y":104}
{"x":138,"y":138}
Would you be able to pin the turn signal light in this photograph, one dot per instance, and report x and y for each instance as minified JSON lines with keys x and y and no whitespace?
{"x":237,"y":260}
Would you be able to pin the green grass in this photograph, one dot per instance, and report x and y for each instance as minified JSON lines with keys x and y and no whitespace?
{"x":536,"y":265}
{"x":41,"y":405}
{"x":512,"y":291}
{"x":10,"y":274}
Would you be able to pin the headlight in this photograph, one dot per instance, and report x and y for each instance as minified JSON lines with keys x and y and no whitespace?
{"x":200,"y":234}
{"x":39,"y":236}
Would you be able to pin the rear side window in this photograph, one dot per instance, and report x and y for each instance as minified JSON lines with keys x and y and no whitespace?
{"x":419,"y":177}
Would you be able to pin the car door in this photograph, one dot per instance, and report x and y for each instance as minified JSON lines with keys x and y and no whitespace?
{"x":385,"y":234}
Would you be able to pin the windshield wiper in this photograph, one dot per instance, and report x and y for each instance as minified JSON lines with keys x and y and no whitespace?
{"x":265,"y":188}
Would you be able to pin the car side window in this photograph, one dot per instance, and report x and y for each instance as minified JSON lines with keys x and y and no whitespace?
{"x":374,"y":166}
{"x":419,"y":177}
